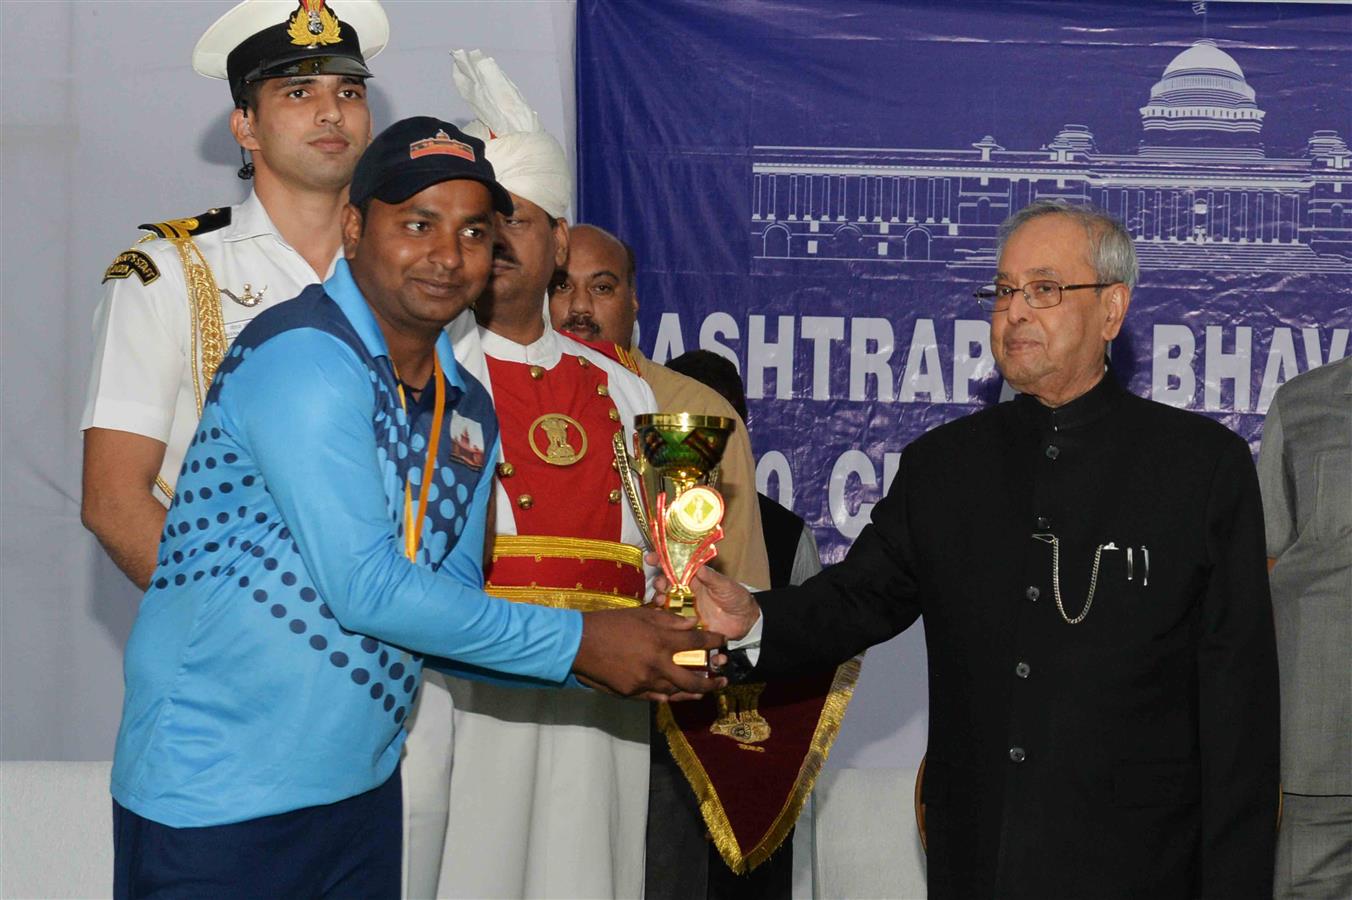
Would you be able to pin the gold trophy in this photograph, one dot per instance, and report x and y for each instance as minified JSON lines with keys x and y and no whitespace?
{"x":669,"y":483}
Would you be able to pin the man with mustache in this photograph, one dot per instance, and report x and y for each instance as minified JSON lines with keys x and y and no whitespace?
{"x":1090,"y":569}
{"x":593,"y":298}
{"x":547,"y":789}
{"x":175,"y":302}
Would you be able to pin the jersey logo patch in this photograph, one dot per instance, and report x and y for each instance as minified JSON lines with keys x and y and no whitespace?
{"x":467,"y":441}
{"x":133,"y":262}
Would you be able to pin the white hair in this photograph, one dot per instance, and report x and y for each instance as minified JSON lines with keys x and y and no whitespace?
{"x":1111,"y":250}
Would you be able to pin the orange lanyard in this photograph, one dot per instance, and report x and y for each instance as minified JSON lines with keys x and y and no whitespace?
{"x":412,"y":526}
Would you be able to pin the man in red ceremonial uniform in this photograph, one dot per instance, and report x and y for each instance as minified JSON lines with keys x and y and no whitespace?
{"x":548,"y":790}
{"x":720,"y":822}
{"x":594,"y":299}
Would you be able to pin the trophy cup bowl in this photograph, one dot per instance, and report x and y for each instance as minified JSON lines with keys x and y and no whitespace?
{"x":670,"y":483}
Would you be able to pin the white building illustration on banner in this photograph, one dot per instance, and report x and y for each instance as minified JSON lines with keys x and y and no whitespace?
{"x":1200,"y":193}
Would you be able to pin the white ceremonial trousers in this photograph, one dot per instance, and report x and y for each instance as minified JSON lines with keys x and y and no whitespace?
{"x":548,"y":788}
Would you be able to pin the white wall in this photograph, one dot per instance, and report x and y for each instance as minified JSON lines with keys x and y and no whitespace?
{"x":103,"y":125}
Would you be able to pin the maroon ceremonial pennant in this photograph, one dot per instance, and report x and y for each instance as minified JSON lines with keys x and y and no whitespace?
{"x":752,"y":753}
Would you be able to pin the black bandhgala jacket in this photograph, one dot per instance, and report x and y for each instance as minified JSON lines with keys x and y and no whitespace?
{"x":1134,"y":754}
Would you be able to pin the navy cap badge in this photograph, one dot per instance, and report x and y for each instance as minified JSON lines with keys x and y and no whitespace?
{"x":313,"y":24}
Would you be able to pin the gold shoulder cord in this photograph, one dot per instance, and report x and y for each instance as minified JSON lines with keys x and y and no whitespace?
{"x":208,"y":324}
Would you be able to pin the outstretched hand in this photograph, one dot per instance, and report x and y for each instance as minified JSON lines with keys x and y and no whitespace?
{"x":723,"y":605}
{"x":629,"y":651}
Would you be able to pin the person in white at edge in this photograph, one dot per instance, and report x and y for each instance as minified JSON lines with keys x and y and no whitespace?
{"x":301,"y":112}
{"x":547,"y":791}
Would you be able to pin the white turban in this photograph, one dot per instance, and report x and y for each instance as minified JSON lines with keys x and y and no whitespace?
{"x":528,"y":160}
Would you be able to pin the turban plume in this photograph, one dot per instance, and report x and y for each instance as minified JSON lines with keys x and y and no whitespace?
{"x":528,"y":160}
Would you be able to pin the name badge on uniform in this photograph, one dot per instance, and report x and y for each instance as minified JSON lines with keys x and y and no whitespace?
{"x":233,"y":329}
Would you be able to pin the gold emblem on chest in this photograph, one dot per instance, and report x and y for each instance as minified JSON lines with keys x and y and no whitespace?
{"x":248,"y":298}
{"x":558,"y":439}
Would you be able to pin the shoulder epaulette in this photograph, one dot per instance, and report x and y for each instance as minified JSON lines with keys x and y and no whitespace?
{"x":627,"y":359}
{"x":177,"y":229}
{"x":610,"y":350}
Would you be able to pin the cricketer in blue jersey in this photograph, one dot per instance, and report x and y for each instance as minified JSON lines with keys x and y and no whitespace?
{"x":327,"y":535}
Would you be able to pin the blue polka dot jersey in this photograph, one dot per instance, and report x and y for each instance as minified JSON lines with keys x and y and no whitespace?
{"x":278,"y":650}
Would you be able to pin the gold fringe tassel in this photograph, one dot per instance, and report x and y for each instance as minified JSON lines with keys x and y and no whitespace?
{"x":711,"y":807}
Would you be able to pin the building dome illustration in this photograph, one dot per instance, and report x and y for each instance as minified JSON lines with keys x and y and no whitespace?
{"x":1327,"y":145}
{"x":1200,"y":193}
{"x":1205,"y":56}
{"x":1202,"y":98}
{"x":1074,"y":139}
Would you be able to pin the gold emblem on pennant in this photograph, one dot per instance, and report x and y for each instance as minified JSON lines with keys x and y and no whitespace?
{"x":312,"y":24}
{"x":558,"y":449}
{"x":738,"y":717}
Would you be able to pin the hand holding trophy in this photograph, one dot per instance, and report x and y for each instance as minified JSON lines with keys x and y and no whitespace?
{"x":669,"y":482}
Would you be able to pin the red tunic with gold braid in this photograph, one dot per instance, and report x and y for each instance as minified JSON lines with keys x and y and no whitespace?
{"x":558,"y":469}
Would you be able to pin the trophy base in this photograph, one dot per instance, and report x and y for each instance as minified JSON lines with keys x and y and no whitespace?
{"x":692,"y":659}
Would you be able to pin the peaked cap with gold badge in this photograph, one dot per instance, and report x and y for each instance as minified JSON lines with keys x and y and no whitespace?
{"x":261,"y":39}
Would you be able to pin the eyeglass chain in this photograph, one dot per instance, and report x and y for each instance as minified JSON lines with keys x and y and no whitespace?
{"x":1056,"y":577}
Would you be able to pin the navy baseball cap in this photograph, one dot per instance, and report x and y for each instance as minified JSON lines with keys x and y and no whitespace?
{"x":414,"y":154}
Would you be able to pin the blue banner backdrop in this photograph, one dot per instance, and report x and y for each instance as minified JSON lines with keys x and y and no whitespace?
{"x":813,"y":190}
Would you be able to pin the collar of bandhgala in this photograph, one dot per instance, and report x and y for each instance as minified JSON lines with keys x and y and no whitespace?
{"x":1085,"y":409}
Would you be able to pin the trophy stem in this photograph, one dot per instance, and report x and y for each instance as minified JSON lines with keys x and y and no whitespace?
{"x":679,"y":599}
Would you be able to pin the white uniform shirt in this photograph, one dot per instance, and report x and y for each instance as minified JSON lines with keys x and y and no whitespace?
{"x":142,"y":375}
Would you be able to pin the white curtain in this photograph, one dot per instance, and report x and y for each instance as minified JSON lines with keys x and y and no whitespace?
{"x":104,"y":125}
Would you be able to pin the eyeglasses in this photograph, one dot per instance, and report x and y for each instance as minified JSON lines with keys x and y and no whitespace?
{"x":1038,"y":294}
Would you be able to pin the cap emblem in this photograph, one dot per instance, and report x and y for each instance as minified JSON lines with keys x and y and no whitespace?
{"x":441,"y":143}
{"x":312,"y":25}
